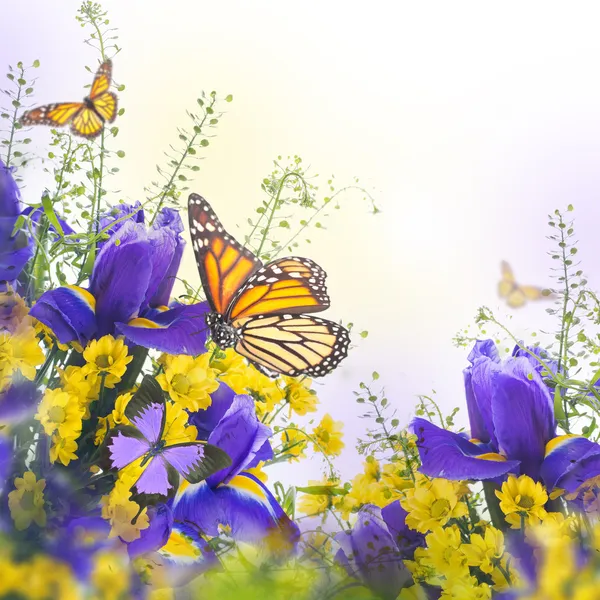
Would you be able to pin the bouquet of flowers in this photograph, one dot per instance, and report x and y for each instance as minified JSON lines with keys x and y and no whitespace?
{"x":137,"y":427}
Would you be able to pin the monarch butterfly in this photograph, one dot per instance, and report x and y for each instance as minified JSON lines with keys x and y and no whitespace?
{"x":261,"y":309}
{"x":516,"y":295}
{"x":87,"y":118}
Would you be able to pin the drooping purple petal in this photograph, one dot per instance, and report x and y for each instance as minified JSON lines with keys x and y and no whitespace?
{"x":241,"y":435}
{"x":206,"y":420}
{"x":180,"y":330}
{"x":157,"y":533}
{"x":169,"y":218}
{"x":447,"y":454}
{"x":19,"y":401}
{"x":149,"y":421}
{"x":407,"y":540}
{"x":369,"y":553}
{"x":154,"y":479}
{"x":570,"y":463}
{"x":69,"y":312}
{"x":523,"y":414}
{"x":538,"y":351}
{"x":124,"y":449}
{"x":244,"y":504}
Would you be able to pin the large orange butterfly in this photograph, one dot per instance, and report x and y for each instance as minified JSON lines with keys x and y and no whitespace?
{"x":261,"y":309}
{"x":87,"y":118}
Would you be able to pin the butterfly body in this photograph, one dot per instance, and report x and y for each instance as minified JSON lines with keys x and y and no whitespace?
{"x":87,"y":118}
{"x":264,"y":311}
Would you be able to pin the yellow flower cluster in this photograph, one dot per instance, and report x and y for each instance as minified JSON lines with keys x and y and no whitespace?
{"x":189,"y":381}
{"x":20,"y":352}
{"x":39,"y":578}
{"x":26,"y":501}
{"x":107,"y":358}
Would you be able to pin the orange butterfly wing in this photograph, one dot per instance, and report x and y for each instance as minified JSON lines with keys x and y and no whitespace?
{"x":52,"y":114}
{"x":224,"y":264}
{"x":289,"y":285}
{"x":85,"y":120}
{"x":102,"y":79}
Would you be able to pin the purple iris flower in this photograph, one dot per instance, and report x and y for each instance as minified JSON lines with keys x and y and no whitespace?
{"x":15,"y":250}
{"x":18,"y":401}
{"x":156,"y":535}
{"x":370,"y":552}
{"x":513,"y":429}
{"x":6,"y":454}
{"x":233,"y":497}
{"x":131,"y":282}
{"x":117,"y":216}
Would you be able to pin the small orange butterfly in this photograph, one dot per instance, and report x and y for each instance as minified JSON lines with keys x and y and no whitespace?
{"x":87,"y":118}
{"x":517,"y":295}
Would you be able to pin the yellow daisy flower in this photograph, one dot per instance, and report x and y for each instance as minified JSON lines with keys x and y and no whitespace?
{"x":60,"y":411}
{"x":315,"y":504}
{"x":465,"y":588}
{"x":86,"y":386}
{"x":444,"y":553}
{"x":301,"y":398}
{"x":26,"y":501}
{"x":63,"y":450}
{"x":522,"y":500}
{"x":104,"y":424}
{"x":120,"y":511}
{"x":485,"y":551}
{"x":118,"y":413}
{"x":294,"y":443}
{"x":189,"y":381}
{"x":20,"y":352}
{"x":432,"y":504}
{"x":177,"y":430}
{"x":328,"y":435}
{"x":108,"y":358}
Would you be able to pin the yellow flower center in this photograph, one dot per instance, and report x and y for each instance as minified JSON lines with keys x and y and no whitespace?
{"x":180,"y":384}
{"x":27,"y":501}
{"x":525,"y":502}
{"x":104,"y":361}
{"x":57,"y":414}
{"x":324,"y":436}
{"x":440,"y":508}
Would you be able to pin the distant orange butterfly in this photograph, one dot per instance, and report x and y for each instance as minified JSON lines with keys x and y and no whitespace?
{"x":87,"y":118}
{"x":517,"y":295}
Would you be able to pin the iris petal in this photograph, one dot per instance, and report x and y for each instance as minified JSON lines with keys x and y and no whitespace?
{"x":523,"y":414}
{"x":179,"y":330}
{"x":447,"y":454}
{"x":68,"y":312}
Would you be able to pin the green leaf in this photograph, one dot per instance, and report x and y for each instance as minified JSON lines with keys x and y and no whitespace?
{"x":559,"y":412}
{"x":322,"y":490}
{"x":51,"y":215}
{"x":121,"y":154}
{"x":229,"y":98}
{"x":36,"y":64}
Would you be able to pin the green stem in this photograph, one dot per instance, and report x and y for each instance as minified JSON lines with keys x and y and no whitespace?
{"x":184,"y":155}
{"x":493,"y":505}
{"x":14,"y":119}
{"x":273,"y":209}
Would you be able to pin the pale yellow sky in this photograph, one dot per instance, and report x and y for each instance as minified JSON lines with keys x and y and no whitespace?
{"x":469,"y":121}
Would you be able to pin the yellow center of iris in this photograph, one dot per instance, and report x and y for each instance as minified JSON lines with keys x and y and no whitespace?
{"x":440,"y":508}
{"x":57,"y":414}
{"x":104,"y":361}
{"x":27,"y":503}
{"x":180,"y":384}
{"x":525,"y":502}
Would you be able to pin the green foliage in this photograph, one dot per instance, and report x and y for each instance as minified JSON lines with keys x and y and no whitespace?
{"x":183,"y":160}
{"x":293,"y":205}
{"x":17,"y":94}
